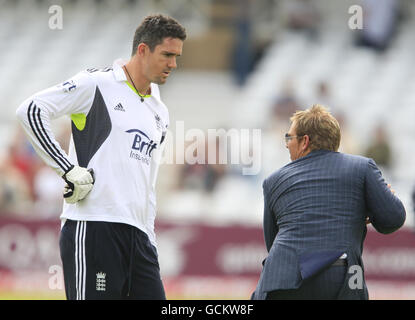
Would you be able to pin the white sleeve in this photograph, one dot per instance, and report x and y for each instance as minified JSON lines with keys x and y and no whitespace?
{"x":73,"y":96}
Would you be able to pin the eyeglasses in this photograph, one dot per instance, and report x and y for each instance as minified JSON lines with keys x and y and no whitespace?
{"x":288,"y":137}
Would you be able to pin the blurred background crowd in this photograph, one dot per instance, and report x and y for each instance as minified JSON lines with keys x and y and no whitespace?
{"x":246,"y":65}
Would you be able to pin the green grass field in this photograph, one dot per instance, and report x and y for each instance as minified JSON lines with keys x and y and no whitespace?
{"x":16,"y":295}
{"x":31,"y":295}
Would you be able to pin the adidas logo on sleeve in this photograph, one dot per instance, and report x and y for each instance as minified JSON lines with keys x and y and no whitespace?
{"x":119,"y":107}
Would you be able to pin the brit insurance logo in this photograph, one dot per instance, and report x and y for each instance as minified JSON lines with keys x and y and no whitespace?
{"x":68,"y":86}
{"x":142,"y":146}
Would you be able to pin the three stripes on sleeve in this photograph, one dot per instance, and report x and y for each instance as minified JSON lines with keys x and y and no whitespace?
{"x":38,"y":128}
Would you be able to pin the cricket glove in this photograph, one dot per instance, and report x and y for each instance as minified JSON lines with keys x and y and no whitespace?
{"x":79,"y":183}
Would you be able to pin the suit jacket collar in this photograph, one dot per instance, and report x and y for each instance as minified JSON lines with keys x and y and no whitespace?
{"x":313,"y":154}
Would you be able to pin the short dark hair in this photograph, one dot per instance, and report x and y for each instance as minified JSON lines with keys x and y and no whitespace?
{"x":155,"y":28}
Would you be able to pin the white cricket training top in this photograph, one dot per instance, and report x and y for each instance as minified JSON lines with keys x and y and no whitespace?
{"x":113,"y":132}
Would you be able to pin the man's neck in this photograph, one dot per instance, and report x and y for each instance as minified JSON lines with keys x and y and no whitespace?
{"x":303,"y":154}
{"x":135,"y":77}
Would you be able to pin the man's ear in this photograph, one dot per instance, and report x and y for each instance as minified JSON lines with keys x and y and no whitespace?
{"x":142,"y":49}
{"x":306,"y":142}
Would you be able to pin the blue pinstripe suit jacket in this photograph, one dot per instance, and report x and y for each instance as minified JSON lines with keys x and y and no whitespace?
{"x":314,"y":211}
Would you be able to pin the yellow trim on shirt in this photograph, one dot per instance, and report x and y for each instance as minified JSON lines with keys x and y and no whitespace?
{"x":79,"y":119}
{"x":141,"y":95}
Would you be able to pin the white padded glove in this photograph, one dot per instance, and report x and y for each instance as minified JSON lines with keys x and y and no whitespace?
{"x":79,"y":183}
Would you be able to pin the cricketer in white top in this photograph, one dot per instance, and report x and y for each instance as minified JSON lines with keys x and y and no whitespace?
{"x":114,"y":132}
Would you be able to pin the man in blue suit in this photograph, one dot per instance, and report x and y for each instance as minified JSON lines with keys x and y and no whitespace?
{"x":315,"y":213}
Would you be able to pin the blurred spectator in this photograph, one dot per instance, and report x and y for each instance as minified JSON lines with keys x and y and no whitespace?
{"x":379,"y":23}
{"x":14,"y":190}
{"x":23,"y":158}
{"x":302,"y":15}
{"x":243,"y":55}
{"x":324,"y":97}
{"x":285,"y":104}
{"x":202,"y":175}
{"x":379,"y":149}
